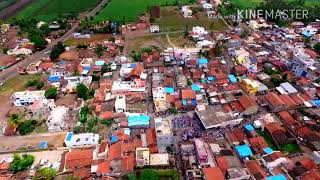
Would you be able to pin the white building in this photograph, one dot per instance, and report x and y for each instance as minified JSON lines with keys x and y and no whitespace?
{"x":186,"y":12}
{"x":19,"y":51}
{"x":120,"y":104}
{"x":142,"y":157}
{"x":154,"y":29}
{"x":159,"y":99}
{"x":198,"y":32}
{"x":207,"y":6}
{"x":204,"y":44}
{"x":301,"y":62}
{"x":56,"y":120}
{"x":164,"y":134}
{"x":83,"y":139}
{"x":159,"y":159}
{"x":25,"y":98}
{"x":73,"y":81}
{"x":120,"y":86}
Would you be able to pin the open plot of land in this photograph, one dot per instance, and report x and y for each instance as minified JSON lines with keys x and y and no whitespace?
{"x":11,"y":86}
{"x":95,"y":37}
{"x":254,"y":3}
{"x":135,"y":44}
{"x":12,"y":143}
{"x":179,"y":40}
{"x":171,"y":20}
{"x":129,"y":11}
{"x":47,"y":10}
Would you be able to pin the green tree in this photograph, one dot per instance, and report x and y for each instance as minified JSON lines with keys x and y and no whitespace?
{"x":21,"y":163}
{"x":5,"y":50}
{"x":82,"y":91}
{"x":105,"y":67}
{"x":51,"y":92}
{"x":14,"y":120}
{"x":38,"y":41}
{"x":148,"y":174}
{"x":84,"y":112}
{"x":132,"y":176}
{"x":45,"y":174}
{"x":99,"y":50}
{"x":57,"y":50}
{"x":26,"y":127}
{"x":317,"y":47}
{"x":174,"y":110}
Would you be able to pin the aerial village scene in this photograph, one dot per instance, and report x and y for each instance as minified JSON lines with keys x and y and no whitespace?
{"x":159,"y":90}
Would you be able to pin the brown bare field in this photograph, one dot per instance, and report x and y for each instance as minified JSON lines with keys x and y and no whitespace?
{"x":95,"y":37}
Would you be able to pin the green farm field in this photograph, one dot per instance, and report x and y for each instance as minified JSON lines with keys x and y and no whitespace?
{"x":129,"y":10}
{"x":47,"y":10}
{"x":253,"y":3}
{"x":6,"y":3}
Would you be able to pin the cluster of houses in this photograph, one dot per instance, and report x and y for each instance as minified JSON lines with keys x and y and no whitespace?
{"x":258,"y":103}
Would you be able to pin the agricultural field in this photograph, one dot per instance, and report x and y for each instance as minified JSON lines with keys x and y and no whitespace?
{"x":6,"y":3}
{"x":129,"y":11}
{"x":253,"y":3}
{"x":47,"y":10}
{"x":172,"y":20}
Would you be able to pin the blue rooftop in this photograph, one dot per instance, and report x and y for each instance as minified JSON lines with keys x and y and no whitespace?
{"x":195,"y":87}
{"x":211,"y":78}
{"x":268,"y":150}
{"x":203,"y":61}
{"x":306,"y":34}
{"x":114,"y":139}
{"x":84,"y":72}
{"x":43,"y":145}
{"x":249,"y":127}
{"x":99,"y":63}
{"x":88,"y":68}
{"x":138,"y":120}
{"x":169,"y":90}
{"x":232,"y":78}
{"x":62,"y":62}
{"x":277,"y":177}
{"x":69,"y":136}
{"x":54,"y":78}
{"x":316,"y":102}
{"x":127,"y":131}
{"x":184,"y":102}
{"x":243,"y":151}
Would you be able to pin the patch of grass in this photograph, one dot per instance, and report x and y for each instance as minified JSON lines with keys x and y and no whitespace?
{"x":74,"y":42}
{"x":290,"y":147}
{"x":172,"y":20}
{"x":267,"y":139}
{"x":43,"y":128}
{"x":129,"y":11}
{"x":246,"y":4}
{"x":168,"y":174}
{"x":47,"y":10}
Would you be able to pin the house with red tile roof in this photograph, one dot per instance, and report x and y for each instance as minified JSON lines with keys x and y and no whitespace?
{"x":76,"y":159}
{"x":213,"y":173}
{"x":258,"y":144}
{"x":277,"y":133}
{"x":249,"y":104}
{"x":256,"y":169}
{"x":275,"y":102}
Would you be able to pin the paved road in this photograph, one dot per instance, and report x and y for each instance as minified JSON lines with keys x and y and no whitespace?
{"x":12,"y":71}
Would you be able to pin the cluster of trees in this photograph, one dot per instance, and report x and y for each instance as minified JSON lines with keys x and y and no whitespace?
{"x":21,"y":163}
{"x":51,"y":92}
{"x":57,"y":50}
{"x":24,"y":127}
{"x":45,"y":174}
{"x":317,"y":47}
{"x":35,"y":83}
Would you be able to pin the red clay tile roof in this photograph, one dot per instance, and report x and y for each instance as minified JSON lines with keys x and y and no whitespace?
{"x":274,"y":99}
{"x":170,"y":98}
{"x":103,"y":146}
{"x":274,"y":127}
{"x":297,"y":99}
{"x":311,"y":175}
{"x":258,"y":144}
{"x":247,"y":102}
{"x":188,"y":94}
{"x":241,"y":136}
{"x":287,"y":117}
{"x":151,"y":136}
{"x":79,"y":158}
{"x":178,"y":104}
{"x":256,"y":170}
{"x":289,"y":102}
{"x":103,"y":167}
{"x":232,"y":137}
{"x":115,"y":151}
{"x":4,"y":166}
{"x":311,"y":53}
{"x":127,"y":163}
{"x":98,"y":108}
{"x":106,"y":115}
{"x":82,"y":173}
{"x":222,"y":163}
{"x":213,"y":173}
{"x":308,"y":163}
